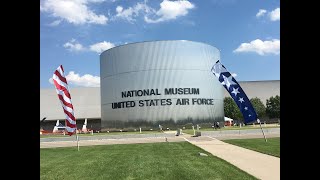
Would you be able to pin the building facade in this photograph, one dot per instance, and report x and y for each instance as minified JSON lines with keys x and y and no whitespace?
{"x":151,"y":83}
{"x":159,"y":82}
{"x":86,"y":101}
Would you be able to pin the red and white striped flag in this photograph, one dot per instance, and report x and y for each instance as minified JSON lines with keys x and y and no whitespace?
{"x":61,"y":85}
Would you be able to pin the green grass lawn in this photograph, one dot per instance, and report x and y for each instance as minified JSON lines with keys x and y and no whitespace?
{"x":271,"y":147}
{"x":168,"y":160}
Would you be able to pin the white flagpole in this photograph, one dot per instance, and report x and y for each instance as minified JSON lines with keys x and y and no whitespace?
{"x":262,"y":130}
{"x":77,"y":137}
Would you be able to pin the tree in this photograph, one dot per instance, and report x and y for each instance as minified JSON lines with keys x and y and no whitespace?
{"x":259,"y":107}
{"x":273,"y":107}
{"x":231,"y":109}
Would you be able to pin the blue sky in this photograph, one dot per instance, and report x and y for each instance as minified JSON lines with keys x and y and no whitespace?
{"x":74,"y":33}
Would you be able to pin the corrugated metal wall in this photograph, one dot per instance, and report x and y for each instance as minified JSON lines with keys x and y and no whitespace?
{"x":159,"y":65}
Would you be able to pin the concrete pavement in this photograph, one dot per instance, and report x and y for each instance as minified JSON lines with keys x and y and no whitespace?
{"x":54,"y":144}
{"x":260,"y":165}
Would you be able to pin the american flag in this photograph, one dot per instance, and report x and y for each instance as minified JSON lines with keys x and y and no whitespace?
{"x":235,"y":91}
{"x":61,"y":85}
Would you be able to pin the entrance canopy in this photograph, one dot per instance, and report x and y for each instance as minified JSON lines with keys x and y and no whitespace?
{"x":227,"y":119}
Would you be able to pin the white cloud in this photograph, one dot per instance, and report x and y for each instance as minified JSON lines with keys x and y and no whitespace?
{"x":171,"y":10}
{"x":131,"y":12}
{"x":73,"y":11}
{"x":261,"y":12}
{"x":168,"y":10}
{"x":234,"y":75}
{"x":86,"y":80}
{"x":101,"y":46}
{"x":96,"y":1}
{"x":51,"y":81}
{"x":275,"y":15}
{"x":260,"y":47}
{"x":73,"y":45}
{"x":119,"y":9}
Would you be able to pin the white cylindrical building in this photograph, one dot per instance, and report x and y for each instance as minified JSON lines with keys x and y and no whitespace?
{"x":159,"y":82}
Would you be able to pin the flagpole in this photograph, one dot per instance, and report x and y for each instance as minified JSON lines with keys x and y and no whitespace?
{"x":77,"y":137}
{"x":262,"y":130}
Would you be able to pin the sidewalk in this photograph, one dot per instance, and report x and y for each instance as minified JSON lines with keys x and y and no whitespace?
{"x":55,"y":144}
{"x":260,"y":165}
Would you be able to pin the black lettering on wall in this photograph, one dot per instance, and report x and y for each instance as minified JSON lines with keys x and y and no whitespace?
{"x":141,"y":103}
{"x":152,"y":103}
{"x":139,"y":93}
{"x":179,"y":102}
{"x":195,"y":91}
{"x":185,"y":101}
{"x":124,"y":104}
{"x":163,"y":102}
{"x":186,"y":90}
{"x":147,"y":102}
{"x":174,"y":91}
{"x":169,"y":102}
{"x":169,"y":91}
{"x":146,"y":92}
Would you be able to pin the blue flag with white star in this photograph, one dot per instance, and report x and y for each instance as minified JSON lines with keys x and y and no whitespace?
{"x":235,"y":91}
